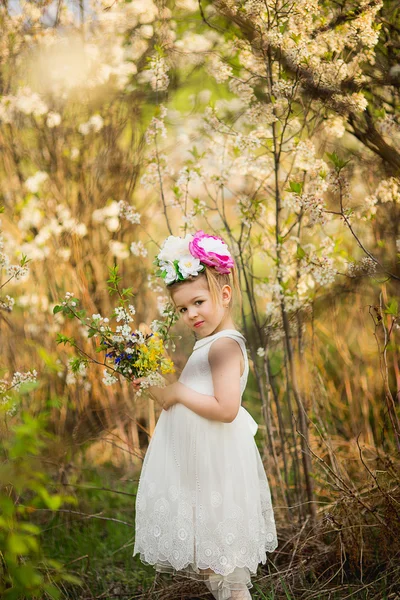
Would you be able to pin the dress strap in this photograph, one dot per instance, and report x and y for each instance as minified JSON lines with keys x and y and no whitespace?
{"x":233,"y":333}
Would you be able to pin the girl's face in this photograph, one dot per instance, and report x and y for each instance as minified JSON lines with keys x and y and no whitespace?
{"x":195,"y":306}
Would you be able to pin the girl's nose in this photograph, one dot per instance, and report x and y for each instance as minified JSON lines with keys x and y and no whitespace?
{"x":192,"y":313}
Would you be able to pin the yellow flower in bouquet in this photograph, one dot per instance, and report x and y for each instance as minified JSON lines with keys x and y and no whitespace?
{"x":150,"y":357}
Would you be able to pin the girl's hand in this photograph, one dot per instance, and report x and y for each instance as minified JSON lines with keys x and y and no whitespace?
{"x":164,"y":396}
{"x":136,"y":383}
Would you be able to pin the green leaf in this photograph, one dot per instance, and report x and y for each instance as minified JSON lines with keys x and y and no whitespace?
{"x":28,"y":576}
{"x":70,"y":500}
{"x":33,"y":543}
{"x":12,"y":594}
{"x":63,"y":339}
{"x":71,"y":578}
{"x":24,"y":260}
{"x":27,"y":387}
{"x":52,"y":591}
{"x":392,"y":308}
{"x":7,"y":507}
{"x":31,"y":527}
{"x":338,"y":162}
{"x":47,"y":358}
{"x":17,"y":544}
{"x":296,"y":187}
{"x":284,"y":27}
{"x":127,"y":292}
{"x":52,"y":502}
{"x":51,"y":563}
{"x":300,"y":252}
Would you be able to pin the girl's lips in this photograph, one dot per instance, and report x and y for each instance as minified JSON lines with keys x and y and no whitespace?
{"x":199,"y":323}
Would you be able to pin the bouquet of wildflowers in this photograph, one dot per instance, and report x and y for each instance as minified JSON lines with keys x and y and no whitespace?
{"x":128,"y":352}
{"x":134,"y":353}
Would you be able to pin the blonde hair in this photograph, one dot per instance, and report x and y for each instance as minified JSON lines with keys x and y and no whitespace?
{"x":216,"y":282}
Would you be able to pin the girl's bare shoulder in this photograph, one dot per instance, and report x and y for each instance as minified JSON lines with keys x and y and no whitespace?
{"x":223,"y":350}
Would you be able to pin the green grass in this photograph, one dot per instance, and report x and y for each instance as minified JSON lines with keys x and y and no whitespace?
{"x":99,"y":551}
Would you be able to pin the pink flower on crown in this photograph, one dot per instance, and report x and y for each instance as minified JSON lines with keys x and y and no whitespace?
{"x":211,"y":251}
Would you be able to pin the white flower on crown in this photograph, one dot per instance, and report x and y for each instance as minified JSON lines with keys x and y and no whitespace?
{"x":188,"y":265}
{"x":175,"y":248}
{"x":171,"y":274}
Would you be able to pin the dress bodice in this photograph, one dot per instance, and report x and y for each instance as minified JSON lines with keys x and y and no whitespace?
{"x":197,"y":371}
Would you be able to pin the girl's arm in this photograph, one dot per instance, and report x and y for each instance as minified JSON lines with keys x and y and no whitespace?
{"x":225,"y":357}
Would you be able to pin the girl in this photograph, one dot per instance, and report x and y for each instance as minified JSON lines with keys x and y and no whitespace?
{"x":203,"y":506}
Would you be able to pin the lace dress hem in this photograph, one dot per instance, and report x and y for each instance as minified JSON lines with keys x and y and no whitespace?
{"x":221,"y":586}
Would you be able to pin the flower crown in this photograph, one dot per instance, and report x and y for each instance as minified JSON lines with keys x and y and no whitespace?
{"x":180,"y":258}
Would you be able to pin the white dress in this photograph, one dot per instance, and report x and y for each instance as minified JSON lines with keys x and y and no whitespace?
{"x":203,"y":500}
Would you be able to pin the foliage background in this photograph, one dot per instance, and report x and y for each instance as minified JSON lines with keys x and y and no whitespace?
{"x":276,"y":125}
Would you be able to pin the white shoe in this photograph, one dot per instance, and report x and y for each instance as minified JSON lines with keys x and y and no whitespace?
{"x":235,"y":594}
{"x":241,"y":595}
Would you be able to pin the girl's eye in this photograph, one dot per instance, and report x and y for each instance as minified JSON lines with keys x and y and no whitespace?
{"x":197,"y":301}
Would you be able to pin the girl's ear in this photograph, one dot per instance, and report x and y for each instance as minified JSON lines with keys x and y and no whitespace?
{"x":226,"y":294}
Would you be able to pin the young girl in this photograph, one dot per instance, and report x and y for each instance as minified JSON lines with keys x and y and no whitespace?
{"x":203,"y":506}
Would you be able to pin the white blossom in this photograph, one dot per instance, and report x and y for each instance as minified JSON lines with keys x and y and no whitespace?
{"x":53,"y":119}
{"x":138,"y":249}
{"x":20,"y":378}
{"x":157,"y":126}
{"x":7,"y":303}
{"x":17,"y":272}
{"x":128,"y":212}
{"x":156,"y":74}
{"x":162,"y":302}
{"x":94,"y":124}
{"x":169,"y":268}
{"x":366,"y":266}
{"x":29,"y":102}
{"x":335,"y":127}
{"x":243,"y":90}
{"x":188,"y":265}
{"x":118,"y":249}
{"x":174,"y":248}
{"x":122,"y":315}
{"x":108,"y":378}
{"x":153,"y":379}
{"x":34,"y":182}
{"x":219,"y":69}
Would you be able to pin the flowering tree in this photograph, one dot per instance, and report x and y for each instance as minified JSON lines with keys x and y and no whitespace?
{"x":72,"y":140}
{"x":258,"y":169}
{"x":258,"y":121}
